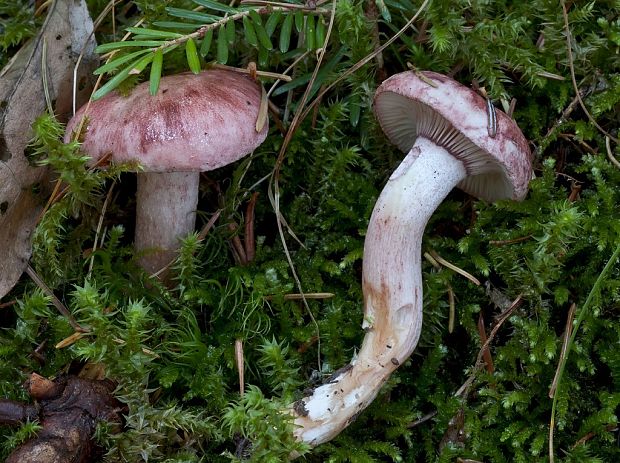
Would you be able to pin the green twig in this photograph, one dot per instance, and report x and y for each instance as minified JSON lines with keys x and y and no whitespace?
{"x":199,"y":33}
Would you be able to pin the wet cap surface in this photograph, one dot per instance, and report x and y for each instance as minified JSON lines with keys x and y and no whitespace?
{"x":456,"y":118}
{"x":193,"y":123}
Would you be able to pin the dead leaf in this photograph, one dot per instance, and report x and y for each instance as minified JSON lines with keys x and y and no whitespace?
{"x":66,"y":33}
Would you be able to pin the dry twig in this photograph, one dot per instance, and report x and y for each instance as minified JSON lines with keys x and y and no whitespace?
{"x":239,"y":360}
{"x":276,"y":175}
{"x":571,"y":66}
{"x":464,"y":389}
{"x":486,"y":353}
{"x":453,"y":267}
{"x":610,"y":155}
{"x":567,"y":334}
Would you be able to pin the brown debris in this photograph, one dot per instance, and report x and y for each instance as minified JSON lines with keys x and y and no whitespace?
{"x":68,"y":411}
{"x":250,"y":244}
{"x":23,"y":188}
{"x":486,"y":353}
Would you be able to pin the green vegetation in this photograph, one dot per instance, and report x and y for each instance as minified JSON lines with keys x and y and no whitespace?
{"x":172,"y":350}
{"x":16,"y":26}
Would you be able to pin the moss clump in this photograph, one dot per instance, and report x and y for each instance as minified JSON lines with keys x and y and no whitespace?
{"x":172,"y":349}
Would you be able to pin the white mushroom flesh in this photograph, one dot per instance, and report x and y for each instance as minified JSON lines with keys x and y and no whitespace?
{"x":392,"y":286}
{"x":165,"y":214}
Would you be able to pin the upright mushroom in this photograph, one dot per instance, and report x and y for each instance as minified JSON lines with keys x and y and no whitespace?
{"x":445,"y":128}
{"x":194,"y":123}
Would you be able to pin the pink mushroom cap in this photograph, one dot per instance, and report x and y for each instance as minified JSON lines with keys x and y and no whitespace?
{"x":456,"y":118}
{"x":194,"y":123}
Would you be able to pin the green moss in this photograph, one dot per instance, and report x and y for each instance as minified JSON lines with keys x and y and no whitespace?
{"x":172,"y":349}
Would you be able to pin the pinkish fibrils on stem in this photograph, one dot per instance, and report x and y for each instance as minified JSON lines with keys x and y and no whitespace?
{"x":443,"y":127}
{"x":195,"y":123}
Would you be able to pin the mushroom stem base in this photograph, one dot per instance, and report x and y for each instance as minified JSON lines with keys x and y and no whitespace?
{"x":166,"y":213}
{"x":392,"y":286}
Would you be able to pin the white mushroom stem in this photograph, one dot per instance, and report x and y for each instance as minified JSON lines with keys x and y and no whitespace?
{"x":165,"y":213}
{"x":392,"y":286}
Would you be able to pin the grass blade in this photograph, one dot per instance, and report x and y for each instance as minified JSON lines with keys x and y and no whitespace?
{"x":116,"y":63}
{"x":571,"y":342}
{"x":121,"y":76}
{"x":202,"y":18}
{"x":384,"y":10}
{"x":216,"y":6}
{"x":106,"y":47}
{"x":263,"y":58}
{"x":285,"y":33}
{"x":299,"y":21}
{"x":142,"y":31}
{"x":230,"y":31}
{"x":272,"y":22}
{"x":155,"y":76}
{"x":205,"y":46}
{"x":261,"y":33}
{"x":175,"y":25}
{"x":250,"y":33}
{"x":192,"y":56}
{"x":222,"y":46}
{"x":355,"y":109}
{"x":319,"y":38}
{"x":320,"y":77}
{"x":310,"y":33}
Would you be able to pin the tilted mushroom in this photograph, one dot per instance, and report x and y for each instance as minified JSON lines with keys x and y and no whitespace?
{"x":194,"y":123}
{"x":452,"y":139}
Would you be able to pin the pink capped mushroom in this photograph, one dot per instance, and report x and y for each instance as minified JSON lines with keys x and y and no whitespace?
{"x":194,"y":123}
{"x":452,"y":137}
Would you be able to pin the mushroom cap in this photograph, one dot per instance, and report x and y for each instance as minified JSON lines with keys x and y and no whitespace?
{"x":195,"y":122}
{"x":456,"y":118}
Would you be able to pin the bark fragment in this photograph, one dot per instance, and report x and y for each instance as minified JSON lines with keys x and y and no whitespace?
{"x":68,"y":411}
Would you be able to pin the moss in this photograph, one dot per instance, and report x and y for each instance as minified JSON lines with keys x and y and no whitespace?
{"x":172,"y":349}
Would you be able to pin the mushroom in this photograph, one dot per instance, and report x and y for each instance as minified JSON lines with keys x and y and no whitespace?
{"x":452,"y":140}
{"x":194,"y":123}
